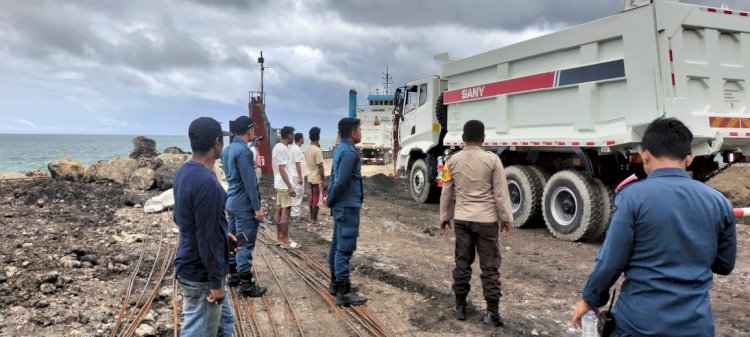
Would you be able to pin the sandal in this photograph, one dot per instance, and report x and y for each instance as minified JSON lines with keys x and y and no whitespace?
{"x":291,"y":245}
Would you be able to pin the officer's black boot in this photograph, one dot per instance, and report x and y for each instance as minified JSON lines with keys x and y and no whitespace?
{"x":332,"y":286}
{"x":248,"y":287}
{"x":492,"y":316}
{"x":234,"y":278}
{"x":346,"y":297}
{"x":459,"y":310}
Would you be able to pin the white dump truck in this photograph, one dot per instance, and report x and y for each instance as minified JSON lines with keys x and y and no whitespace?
{"x":376,"y":120}
{"x":565,"y":111}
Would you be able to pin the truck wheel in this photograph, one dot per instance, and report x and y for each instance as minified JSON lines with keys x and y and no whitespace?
{"x":542,"y":174}
{"x":525,"y":194}
{"x":441,"y":113}
{"x":572,"y":206}
{"x":608,"y":203}
{"x":421,"y":186}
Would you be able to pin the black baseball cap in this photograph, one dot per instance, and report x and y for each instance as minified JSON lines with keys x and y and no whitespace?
{"x":241,"y":125}
{"x":204,"y":130}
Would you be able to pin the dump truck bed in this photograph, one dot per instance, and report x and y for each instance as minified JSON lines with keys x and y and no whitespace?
{"x":598,"y":85}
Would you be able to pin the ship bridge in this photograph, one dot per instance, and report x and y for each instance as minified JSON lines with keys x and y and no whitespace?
{"x":379,"y":99}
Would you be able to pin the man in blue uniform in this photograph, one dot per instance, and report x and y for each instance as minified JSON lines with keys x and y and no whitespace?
{"x":202,"y":258}
{"x":243,"y":207}
{"x":668,"y":234}
{"x":345,"y":200}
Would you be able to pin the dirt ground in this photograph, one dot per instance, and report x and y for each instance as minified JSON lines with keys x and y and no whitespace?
{"x":367,"y":170}
{"x":69,"y":249}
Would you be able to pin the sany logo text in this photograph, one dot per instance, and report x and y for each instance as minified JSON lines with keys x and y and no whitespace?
{"x":474,"y":92}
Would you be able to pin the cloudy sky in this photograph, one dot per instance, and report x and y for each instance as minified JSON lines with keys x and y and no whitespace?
{"x":151,"y":66}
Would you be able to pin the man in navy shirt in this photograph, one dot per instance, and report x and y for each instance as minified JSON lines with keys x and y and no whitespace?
{"x":202,"y":258}
{"x":243,"y":204}
{"x":345,"y":200}
{"x":668,"y":234}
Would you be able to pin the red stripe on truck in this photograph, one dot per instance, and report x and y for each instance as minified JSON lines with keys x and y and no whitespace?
{"x":526,"y":83}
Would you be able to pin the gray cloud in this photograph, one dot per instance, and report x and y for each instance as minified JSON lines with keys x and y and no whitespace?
{"x":509,"y":14}
{"x":513,"y":15}
{"x":41,"y":29}
{"x":149,"y":65}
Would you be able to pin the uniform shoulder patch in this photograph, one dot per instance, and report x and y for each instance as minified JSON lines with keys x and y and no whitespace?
{"x":446,"y":176}
{"x":632,"y":179}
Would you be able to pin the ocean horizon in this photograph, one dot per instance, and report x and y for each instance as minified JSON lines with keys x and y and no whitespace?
{"x":19,"y":153}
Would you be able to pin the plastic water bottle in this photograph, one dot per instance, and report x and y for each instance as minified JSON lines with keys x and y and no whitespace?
{"x":589,"y":325}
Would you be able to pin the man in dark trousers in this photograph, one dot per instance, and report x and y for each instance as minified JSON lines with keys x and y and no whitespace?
{"x":244,"y":211}
{"x":669,"y":234}
{"x":475,"y":197}
{"x":202,"y":259}
{"x":345,"y":200}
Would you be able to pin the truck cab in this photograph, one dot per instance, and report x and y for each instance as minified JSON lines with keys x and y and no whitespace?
{"x":419,"y":134}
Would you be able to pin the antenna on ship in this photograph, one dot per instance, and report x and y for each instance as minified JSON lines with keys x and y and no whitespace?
{"x":262,"y":62}
{"x":387,"y":81}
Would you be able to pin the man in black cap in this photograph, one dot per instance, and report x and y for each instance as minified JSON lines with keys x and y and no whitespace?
{"x":202,"y":258}
{"x":244,"y":210}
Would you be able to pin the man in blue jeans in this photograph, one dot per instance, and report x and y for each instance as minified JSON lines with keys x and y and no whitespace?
{"x":669,"y":234}
{"x":202,"y":258}
{"x":243,"y":206}
{"x":345,"y":200}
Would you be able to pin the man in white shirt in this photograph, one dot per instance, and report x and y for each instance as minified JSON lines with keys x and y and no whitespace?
{"x":258,"y":162}
{"x":282,"y":182}
{"x":298,"y":173}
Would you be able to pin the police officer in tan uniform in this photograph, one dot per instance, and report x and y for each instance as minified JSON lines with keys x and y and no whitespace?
{"x":475,"y":197}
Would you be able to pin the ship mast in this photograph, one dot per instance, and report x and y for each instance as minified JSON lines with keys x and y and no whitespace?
{"x":387,"y":81}
{"x":261,"y":61}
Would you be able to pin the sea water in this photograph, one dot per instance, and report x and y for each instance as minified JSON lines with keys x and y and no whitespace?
{"x":21,"y":153}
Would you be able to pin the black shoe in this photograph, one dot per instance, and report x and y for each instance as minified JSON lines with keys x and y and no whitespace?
{"x":492,"y":319}
{"x":459,"y":311}
{"x":250,"y":289}
{"x":346,"y":297}
{"x":332,"y":286}
{"x":233,"y":280}
{"x":247,"y":286}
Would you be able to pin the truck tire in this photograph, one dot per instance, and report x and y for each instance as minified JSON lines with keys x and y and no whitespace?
{"x":572,"y":206}
{"x":421,"y":186}
{"x":608,"y":203}
{"x":540,"y":173}
{"x":441,"y":112}
{"x":525,"y":192}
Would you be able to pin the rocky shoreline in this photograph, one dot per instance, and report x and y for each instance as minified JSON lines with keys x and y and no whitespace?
{"x":143,"y":169}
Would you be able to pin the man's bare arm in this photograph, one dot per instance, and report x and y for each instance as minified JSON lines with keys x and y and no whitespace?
{"x":322,"y":171}
{"x":285,"y":177}
{"x":298,"y":167}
